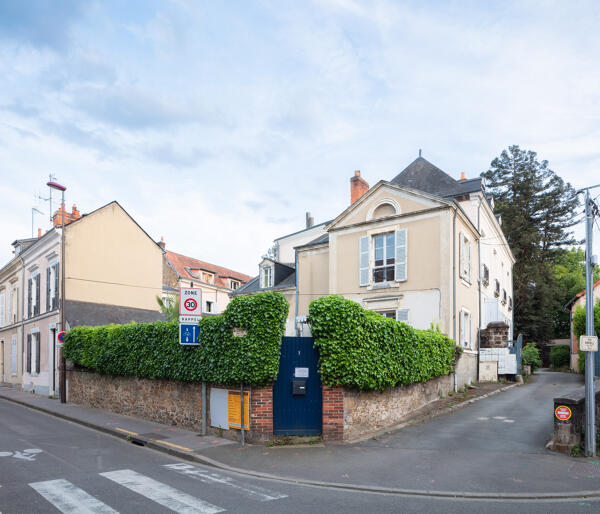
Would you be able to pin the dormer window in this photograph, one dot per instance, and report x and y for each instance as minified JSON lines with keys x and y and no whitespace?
{"x":234,"y":284}
{"x":266,"y":277}
{"x":207,"y":277}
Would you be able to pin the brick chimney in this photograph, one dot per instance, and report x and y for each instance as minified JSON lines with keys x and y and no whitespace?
{"x":162,"y":243}
{"x":463,"y":176}
{"x":69,"y":216}
{"x":39,"y":233}
{"x":358,"y":187}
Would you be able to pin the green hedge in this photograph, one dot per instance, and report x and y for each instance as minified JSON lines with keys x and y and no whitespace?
{"x":362,"y":349}
{"x":151,"y":350}
{"x":531,"y":356}
{"x":560,"y":356}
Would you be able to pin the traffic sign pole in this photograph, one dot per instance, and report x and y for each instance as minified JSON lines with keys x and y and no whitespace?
{"x":590,"y":393}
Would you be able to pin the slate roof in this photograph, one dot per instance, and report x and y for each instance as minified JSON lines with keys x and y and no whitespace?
{"x":183,"y":264}
{"x":253,"y":286}
{"x":424,"y":176}
{"x":324,"y":238}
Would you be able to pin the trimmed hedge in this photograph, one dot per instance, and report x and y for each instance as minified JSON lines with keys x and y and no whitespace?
{"x":151,"y":350}
{"x":362,"y":349}
{"x":560,"y":356}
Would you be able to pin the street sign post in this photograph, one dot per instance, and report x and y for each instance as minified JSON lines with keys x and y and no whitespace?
{"x":61,"y":336}
{"x":190,"y":312}
{"x":188,"y":334}
{"x":588,"y":343}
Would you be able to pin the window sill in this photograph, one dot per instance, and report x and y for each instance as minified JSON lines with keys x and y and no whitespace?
{"x":465,"y":283}
{"x":382,"y":285}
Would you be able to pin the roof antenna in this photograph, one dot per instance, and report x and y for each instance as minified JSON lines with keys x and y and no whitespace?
{"x":419,"y":152}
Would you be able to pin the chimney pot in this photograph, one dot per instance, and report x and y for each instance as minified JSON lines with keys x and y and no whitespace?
{"x":39,"y":233}
{"x":357,"y":173}
{"x":162,"y":243}
{"x":463,"y":176}
{"x":310,"y":221}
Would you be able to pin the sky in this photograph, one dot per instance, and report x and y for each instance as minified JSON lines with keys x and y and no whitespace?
{"x":217,"y":125}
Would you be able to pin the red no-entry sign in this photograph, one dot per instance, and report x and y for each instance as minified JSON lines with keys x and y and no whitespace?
{"x":562,"y":412}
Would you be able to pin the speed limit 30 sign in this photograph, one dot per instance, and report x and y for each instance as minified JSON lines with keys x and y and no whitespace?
{"x":190,"y":301}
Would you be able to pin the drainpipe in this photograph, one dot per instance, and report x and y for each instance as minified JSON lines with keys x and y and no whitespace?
{"x":479,"y":281}
{"x":22,"y":318}
{"x":297,"y":294}
{"x":454,"y":272}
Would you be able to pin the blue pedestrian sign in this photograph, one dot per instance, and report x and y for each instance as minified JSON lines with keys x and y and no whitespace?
{"x":188,"y":334}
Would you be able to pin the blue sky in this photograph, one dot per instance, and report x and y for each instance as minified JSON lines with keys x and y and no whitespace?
{"x":218,"y":124}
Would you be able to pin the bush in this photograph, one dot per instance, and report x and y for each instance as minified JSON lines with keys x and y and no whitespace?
{"x":151,"y":350}
{"x":531,"y":356}
{"x":581,"y":362}
{"x":362,"y":349}
{"x":560,"y":356}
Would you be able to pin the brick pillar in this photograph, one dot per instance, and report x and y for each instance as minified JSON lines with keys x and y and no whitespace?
{"x":333,"y":413}
{"x":261,"y":413}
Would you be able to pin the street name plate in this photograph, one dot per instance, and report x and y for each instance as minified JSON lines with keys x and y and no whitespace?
{"x":588,"y":343}
{"x":189,"y":320}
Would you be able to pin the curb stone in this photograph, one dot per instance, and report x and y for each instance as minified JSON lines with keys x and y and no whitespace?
{"x":193,"y":457}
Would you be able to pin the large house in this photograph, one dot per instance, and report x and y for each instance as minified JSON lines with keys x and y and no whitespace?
{"x":113,"y":274}
{"x":215,"y":281}
{"x":578,"y":301}
{"x":422,"y":248}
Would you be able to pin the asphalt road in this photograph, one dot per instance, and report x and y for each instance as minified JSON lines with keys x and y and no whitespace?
{"x":51,"y":465}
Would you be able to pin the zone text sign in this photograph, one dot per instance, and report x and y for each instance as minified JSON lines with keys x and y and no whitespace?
{"x":562,"y":412}
{"x":190,"y":301}
{"x":588,"y":343}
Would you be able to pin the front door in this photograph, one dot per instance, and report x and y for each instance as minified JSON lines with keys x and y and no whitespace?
{"x":297,"y":397}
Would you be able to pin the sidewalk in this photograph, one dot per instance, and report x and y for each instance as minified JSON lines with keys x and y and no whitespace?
{"x":493,"y":448}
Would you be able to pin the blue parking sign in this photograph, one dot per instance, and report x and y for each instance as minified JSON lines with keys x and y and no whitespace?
{"x":188,"y":334}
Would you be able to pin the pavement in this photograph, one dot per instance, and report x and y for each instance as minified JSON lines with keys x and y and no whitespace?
{"x":493,"y":448}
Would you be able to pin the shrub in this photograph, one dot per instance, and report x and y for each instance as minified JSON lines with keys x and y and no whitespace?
{"x":362,"y":349}
{"x":531,"y":355}
{"x":560,"y":356}
{"x":581,"y":362}
{"x":579,"y":321}
{"x":151,"y":350}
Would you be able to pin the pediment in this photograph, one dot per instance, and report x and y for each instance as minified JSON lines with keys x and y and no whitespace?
{"x":385,"y":199}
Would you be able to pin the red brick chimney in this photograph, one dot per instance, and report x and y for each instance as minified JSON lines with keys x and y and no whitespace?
{"x":162,"y":243}
{"x":39,"y":233}
{"x":358,"y":187}
{"x":69,"y":216}
{"x":463,"y":176}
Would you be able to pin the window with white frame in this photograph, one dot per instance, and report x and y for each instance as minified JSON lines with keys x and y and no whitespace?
{"x":497,"y":288}
{"x":52,"y":287}
{"x":485,"y":275}
{"x":13,"y":355}
{"x":465,"y":323}
{"x":209,"y":306}
{"x":234,"y":285}
{"x":266,"y":277}
{"x":465,"y":257}
{"x":510,"y":303}
{"x":33,"y":290}
{"x":504,"y":297}
{"x":387,"y":262}
{"x":33,"y":353}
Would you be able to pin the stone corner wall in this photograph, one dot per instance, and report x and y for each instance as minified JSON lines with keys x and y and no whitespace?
{"x":495,"y":335}
{"x":333,"y":413}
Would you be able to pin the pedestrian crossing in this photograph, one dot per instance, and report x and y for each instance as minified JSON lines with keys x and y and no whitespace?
{"x":69,"y":498}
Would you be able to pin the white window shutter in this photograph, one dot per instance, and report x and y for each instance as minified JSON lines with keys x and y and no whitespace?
{"x":468,"y":243}
{"x":13,"y":355}
{"x":462,"y":328}
{"x":401,"y":253}
{"x":461,"y":254}
{"x":470,"y":335}
{"x":402,"y":315}
{"x":2,"y":309}
{"x":363,"y":260}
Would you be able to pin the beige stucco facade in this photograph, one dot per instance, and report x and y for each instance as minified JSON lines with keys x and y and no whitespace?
{"x":111,"y":260}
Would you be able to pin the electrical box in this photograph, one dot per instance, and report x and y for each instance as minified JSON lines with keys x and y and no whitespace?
{"x":299,"y":387}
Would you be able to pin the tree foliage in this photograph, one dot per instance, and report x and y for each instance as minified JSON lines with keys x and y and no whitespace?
{"x":531,"y":356}
{"x":537,"y":209}
{"x":169,"y":306}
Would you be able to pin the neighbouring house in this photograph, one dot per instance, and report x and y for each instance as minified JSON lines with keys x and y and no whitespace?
{"x":215,"y":281}
{"x":113,"y":273}
{"x":422,"y":248}
{"x":577,"y":301}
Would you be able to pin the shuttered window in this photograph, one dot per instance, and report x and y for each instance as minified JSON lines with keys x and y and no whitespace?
{"x":37,"y":353}
{"x":465,"y":258}
{"x":28,"y":366}
{"x":36,"y":309}
{"x":55,"y":292}
{"x":363,"y":259}
{"x":30,"y":298}
{"x":465,"y":329}
{"x":13,"y":355}
{"x":2,"y":309}
{"x":403,"y":315}
{"x":401,"y":247}
{"x":48,"y":284}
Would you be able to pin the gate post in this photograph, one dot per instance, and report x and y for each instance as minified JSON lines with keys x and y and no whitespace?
{"x":333,"y":413}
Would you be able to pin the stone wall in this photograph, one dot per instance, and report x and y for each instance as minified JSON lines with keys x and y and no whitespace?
{"x":333,"y":413}
{"x":495,"y":335}
{"x":261,"y":414}
{"x":163,"y":401}
{"x":366,"y":412}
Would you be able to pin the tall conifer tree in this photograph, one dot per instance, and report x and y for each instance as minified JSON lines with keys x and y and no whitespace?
{"x":537,"y":209}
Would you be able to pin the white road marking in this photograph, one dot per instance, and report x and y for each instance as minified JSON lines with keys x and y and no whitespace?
{"x":254,"y":492}
{"x":24,"y":455}
{"x":163,"y":494}
{"x":508,"y":420}
{"x":499,"y":417}
{"x":69,"y":499}
{"x":483,"y":419}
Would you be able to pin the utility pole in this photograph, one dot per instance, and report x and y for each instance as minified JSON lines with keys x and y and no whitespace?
{"x":590,"y":391}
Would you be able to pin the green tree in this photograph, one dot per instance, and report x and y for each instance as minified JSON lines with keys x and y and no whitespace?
{"x":537,"y":209}
{"x":169,"y":306}
{"x":569,"y":273}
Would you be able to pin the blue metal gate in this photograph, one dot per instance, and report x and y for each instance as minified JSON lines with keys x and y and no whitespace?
{"x":516,"y":347}
{"x":297,"y":397}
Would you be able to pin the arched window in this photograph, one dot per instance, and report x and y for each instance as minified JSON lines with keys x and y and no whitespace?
{"x":383,"y":210}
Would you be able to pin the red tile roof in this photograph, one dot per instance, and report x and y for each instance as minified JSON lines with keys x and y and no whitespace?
{"x":182,"y":264}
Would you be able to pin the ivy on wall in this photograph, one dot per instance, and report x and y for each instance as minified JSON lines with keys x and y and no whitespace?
{"x":151,"y":350}
{"x":362,"y":349}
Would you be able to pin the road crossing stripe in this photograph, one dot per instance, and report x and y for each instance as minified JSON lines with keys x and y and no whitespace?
{"x":163,"y":494}
{"x":68,"y":498}
{"x":254,"y":492}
